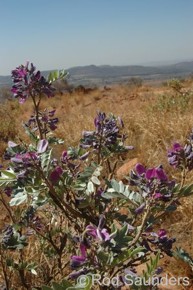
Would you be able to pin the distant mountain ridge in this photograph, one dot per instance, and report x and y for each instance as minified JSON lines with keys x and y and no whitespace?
{"x":103,"y":74}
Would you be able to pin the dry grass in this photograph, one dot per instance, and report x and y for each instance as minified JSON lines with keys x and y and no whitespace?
{"x":152,"y":124}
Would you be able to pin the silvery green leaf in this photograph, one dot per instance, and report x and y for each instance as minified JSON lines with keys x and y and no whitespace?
{"x":57,"y":75}
{"x":95,"y":180}
{"x":186,"y":190}
{"x":18,"y":198}
{"x":97,"y":171}
{"x":33,"y":271}
{"x":90,"y":187}
{"x":121,"y":187}
{"x":55,"y":140}
{"x":111,"y":194}
{"x":115,"y":185}
{"x":46,"y":161}
{"x":7,"y":176}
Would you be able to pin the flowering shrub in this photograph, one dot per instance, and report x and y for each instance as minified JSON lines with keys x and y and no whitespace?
{"x":71,"y":208}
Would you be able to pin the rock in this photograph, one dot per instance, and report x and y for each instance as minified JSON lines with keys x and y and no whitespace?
{"x":126,"y":168}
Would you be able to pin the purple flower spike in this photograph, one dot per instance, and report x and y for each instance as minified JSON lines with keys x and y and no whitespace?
{"x":181,"y":157}
{"x":29,"y":82}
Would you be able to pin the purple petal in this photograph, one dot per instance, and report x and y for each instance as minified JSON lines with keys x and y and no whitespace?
{"x":78,"y":260}
{"x":83,"y":250}
{"x":18,"y":158}
{"x":162,"y":233}
{"x":160,"y":174}
{"x":22,"y":100}
{"x":91,"y":230}
{"x":157,"y":195}
{"x":8,"y":191}
{"x":140,"y":209}
{"x":105,"y":235}
{"x":150,"y":173}
{"x":177,"y":147}
{"x":51,"y":113}
{"x":140,"y":169}
{"x":11,"y":144}
{"x":159,"y":270}
{"x":55,"y":174}
{"x":42,"y":146}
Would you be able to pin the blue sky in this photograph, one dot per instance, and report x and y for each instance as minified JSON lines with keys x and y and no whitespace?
{"x":61,"y":34}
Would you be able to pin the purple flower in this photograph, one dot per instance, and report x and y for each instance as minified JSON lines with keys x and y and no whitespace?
{"x":177,"y":147}
{"x":151,"y":173}
{"x":99,"y":191}
{"x":162,"y":233}
{"x":181,"y":157}
{"x":29,"y":82}
{"x":157,"y":195}
{"x":64,"y":158}
{"x":140,"y":209}
{"x":8,"y":191}
{"x":7,"y":235}
{"x":107,"y":136}
{"x":157,"y":173}
{"x":140,"y":169}
{"x":77,"y":261}
{"x":159,"y":270}
{"x":152,"y":183}
{"x":46,"y":121}
{"x":162,"y":241}
{"x":56,"y":174}
{"x":24,"y":158}
{"x":98,"y":232}
{"x":51,"y":113}
{"x":42,"y":146}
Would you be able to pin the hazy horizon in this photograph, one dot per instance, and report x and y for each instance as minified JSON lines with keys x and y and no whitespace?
{"x":63,"y":34}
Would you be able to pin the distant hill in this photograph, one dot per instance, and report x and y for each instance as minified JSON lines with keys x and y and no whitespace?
{"x":5,"y":80}
{"x":106,"y":74}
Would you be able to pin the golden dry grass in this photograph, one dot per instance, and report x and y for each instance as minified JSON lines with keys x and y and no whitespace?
{"x":152,"y":124}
